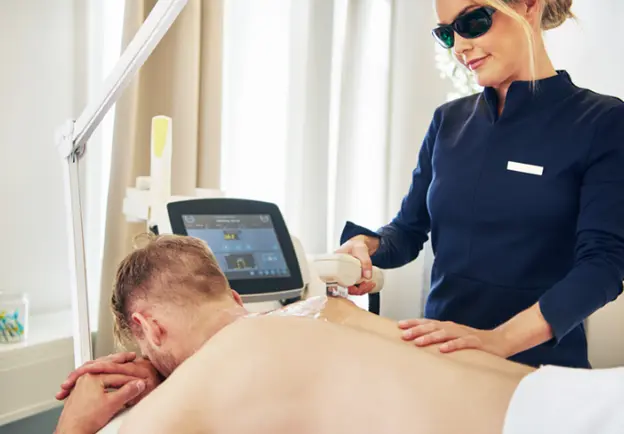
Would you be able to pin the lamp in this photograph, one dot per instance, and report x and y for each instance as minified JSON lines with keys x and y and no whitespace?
{"x":71,"y":141}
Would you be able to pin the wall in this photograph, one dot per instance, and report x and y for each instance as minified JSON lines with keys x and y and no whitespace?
{"x":42,"y":83}
{"x":589,"y":50}
{"x":39,"y":90}
{"x":589,"y":47}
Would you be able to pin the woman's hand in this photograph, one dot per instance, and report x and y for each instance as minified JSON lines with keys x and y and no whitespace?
{"x":361,"y":247}
{"x":454,"y":337}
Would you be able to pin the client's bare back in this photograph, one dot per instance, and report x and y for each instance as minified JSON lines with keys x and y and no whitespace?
{"x":288,"y":375}
{"x":344,"y":312}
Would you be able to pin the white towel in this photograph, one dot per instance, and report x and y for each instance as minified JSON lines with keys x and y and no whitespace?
{"x":556,"y":400}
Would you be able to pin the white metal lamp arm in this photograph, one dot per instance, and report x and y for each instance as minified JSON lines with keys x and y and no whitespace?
{"x":71,"y":140}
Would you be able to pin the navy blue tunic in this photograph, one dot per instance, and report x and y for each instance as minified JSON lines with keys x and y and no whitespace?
{"x":523,"y":207}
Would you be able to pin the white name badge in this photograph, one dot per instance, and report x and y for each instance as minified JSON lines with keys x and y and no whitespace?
{"x":525,"y":168}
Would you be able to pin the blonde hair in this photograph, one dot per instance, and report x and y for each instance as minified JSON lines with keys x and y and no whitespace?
{"x":169,"y":268}
{"x":555,"y":13}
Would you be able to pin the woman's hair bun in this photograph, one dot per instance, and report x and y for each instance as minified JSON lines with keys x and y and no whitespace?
{"x":556,"y":12}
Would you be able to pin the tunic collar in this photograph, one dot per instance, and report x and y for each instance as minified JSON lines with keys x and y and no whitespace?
{"x":523,"y":98}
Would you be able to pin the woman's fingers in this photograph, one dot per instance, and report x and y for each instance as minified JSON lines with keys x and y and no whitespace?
{"x":360,"y":252}
{"x":435,"y":337}
{"x":409,"y":323}
{"x":462,"y":343}
{"x":420,"y":330}
{"x":362,"y":288}
{"x":429,"y":332}
{"x":451,"y":336}
{"x":356,"y":290}
{"x":367,"y":287}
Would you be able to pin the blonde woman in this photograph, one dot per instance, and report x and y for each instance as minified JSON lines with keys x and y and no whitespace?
{"x":522,"y":190}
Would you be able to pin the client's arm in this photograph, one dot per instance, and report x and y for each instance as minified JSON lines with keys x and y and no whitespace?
{"x":92,"y":403}
{"x":344,"y":312}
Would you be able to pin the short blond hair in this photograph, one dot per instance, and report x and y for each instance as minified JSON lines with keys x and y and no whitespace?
{"x":555,"y":13}
{"x":169,"y":268}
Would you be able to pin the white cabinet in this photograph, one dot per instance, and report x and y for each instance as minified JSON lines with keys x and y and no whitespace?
{"x":31,"y":372}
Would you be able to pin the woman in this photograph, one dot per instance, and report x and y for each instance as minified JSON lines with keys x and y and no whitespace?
{"x":522,"y":189}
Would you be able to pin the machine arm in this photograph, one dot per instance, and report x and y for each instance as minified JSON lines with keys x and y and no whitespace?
{"x":71,"y":142}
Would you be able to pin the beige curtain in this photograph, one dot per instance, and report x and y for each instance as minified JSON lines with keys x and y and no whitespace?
{"x":182,"y":79}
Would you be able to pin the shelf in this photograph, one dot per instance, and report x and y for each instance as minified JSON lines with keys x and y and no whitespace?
{"x":32,"y":371}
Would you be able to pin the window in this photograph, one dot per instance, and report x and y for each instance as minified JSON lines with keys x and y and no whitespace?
{"x":255,"y":96}
{"x":260,"y":54}
{"x":105,"y":32}
{"x":277,"y":56}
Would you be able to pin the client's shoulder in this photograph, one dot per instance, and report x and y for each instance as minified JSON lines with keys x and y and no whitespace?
{"x":265,"y":329}
{"x":275,"y":346}
{"x":274,"y":336}
{"x":314,"y":315}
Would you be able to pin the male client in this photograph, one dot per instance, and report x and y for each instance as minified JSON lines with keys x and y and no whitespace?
{"x":322,"y":366}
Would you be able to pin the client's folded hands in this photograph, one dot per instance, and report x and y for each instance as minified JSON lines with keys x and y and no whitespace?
{"x":123,"y":364}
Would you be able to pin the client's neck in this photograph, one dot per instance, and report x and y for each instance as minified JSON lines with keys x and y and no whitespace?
{"x":213,"y":317}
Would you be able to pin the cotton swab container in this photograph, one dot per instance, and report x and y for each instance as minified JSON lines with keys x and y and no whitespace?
{"x":13,"y":317}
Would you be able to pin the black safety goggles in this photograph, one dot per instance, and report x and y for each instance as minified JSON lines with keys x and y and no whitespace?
{"x":469,"y":26}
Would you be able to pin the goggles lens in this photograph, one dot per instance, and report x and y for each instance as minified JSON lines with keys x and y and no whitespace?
{"x":469,"y":25}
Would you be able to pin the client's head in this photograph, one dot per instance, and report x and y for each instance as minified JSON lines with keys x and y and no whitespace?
{"x":170,"y":296}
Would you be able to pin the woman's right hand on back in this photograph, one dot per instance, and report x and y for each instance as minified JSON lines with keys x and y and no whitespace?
{"x":361,"y":247}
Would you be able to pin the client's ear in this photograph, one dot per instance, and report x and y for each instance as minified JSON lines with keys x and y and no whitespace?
{"x":151,"y":329}
{"x":237,"y":297}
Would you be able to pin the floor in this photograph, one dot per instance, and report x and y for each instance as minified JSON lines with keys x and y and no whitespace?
{"x":43,"y":423}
